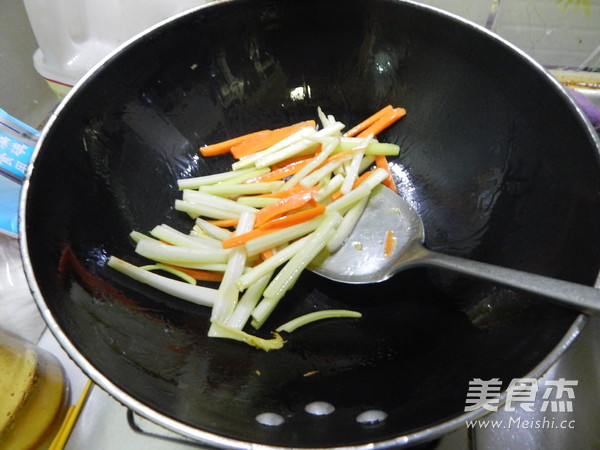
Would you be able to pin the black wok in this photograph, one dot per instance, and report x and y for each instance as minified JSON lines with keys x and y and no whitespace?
{"x":501,"y":165}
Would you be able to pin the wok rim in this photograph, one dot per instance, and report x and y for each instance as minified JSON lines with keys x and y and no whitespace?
{"x":204,"y":437}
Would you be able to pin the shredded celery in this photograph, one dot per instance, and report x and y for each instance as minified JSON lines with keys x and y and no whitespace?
{"x":196,"y":182}
{"x":186,"y":291}
{"x":257,"y":274}
{"x":282,"y":236}
{"x":172,"y":236}
{"x":158,"y":251}
{"x":228,"y":190}
{"x":213,"y":230}
{"x":347,"y":225}
{"x":228,"y":292}
{"x":178,"y":273}
{"x":195,"y":210}
{"x":269,"y":265}
{"x":306,"y":319}
{"x":222,"y":331}
{"x":217,"y":201}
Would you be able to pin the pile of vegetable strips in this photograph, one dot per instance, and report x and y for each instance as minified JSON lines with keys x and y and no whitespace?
{"x":291,"y":194}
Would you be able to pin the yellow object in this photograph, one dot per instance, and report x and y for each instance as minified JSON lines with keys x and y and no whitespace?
{"x":61,"y":438}
{"x":34,"y":393}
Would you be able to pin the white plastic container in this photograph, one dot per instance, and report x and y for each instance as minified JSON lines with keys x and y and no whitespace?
{"x":73,"y":35}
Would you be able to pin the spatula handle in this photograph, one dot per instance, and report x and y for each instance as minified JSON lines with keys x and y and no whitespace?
{"x":578,"y":296}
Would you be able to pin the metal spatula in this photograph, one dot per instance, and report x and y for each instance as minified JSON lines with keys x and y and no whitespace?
{"x":362,"y":258}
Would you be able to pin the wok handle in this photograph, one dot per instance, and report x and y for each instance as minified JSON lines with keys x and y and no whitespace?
{"x":578,"y":296}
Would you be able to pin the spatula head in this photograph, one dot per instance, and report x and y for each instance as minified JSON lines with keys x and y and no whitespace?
{"x":363,"y":257}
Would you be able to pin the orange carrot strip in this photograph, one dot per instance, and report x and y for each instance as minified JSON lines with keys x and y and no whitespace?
{"x":293,"y":218}
{"x":336,"y":195}
{"x":293,"y":159}
{"x":266,"y":254}
{"x":197,"y":274}
{"x":241,"y":239}
{"x":389,"y":243}
{"x":224,"y":223}
{"x":381,"y":161}
{"x":224,"y":147}
{"x":265,"y":140}
{"x":383,"y":122}
{"x":281,"y":194}
{"x":283,"y":206}
{"x":281,"y":173}
{"x":368,"y":121}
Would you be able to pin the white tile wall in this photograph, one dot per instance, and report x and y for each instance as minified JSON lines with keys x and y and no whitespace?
{"x":557,"y":33}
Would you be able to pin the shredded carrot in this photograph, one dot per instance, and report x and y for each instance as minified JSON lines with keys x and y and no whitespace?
{"x":266,"y":254}
{"x":225,"y":146}
{"x":381,"y":161}
{"x":224,"y":223}
{"x":267,"y":138}
{"x":282,"y":194}
{"x":383,"y":122}
{"x":336,"y":195}
{"x":389,"y":243}
{"x":294,"y":159}
{"x":368,"y":121}
{"x":280,"y":173}
{"x":293,"y":218}
{"x":284,"y":206}
{"x":197,"y":274}
{"x":241,"y":239}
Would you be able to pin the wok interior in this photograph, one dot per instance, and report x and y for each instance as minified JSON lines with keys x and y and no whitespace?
{"x":492,"y":156}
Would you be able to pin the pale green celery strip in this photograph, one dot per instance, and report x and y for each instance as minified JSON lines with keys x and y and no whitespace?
{"x":347,"y":225}
{"x":169,"y":234}
{"x":136,"y":236}
{"x":242,"y":178}
{"x":213,"y":267}
{"x":374,"y":148}
{"x":285,"y":153}
{"x":314,"y":177}
{"x":353,"y":168}
{"x":356,"y":194}
{"x":332,"y":130}
{"x":376,"y":178}
{"x":248,"y":302}
{"x":251,"y":159}
{"x":290,"y":272}
{"x":330,"y":145}
{"x":228,"y":291}
{"x":196,"y":182}
{"x":242,"y":189}
{"x":366,"y":163}
{"x":178,"y":273}
{"x":175,"y":255}
{"x":269,"y":265}
{"x":217,"y":201}
{"x":220,"y":331}
{"x":301,"y":321}
{"x":276,"y":238}
{"x":213,"y":230}
{"x":325,"y":122}
{"x":332,"y":186}
{"x":197,"y":294}
{"x":280,"y":286}
{"x":300,"y":260}
{"x":257,"y":202}
{"x":195,"y":210}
